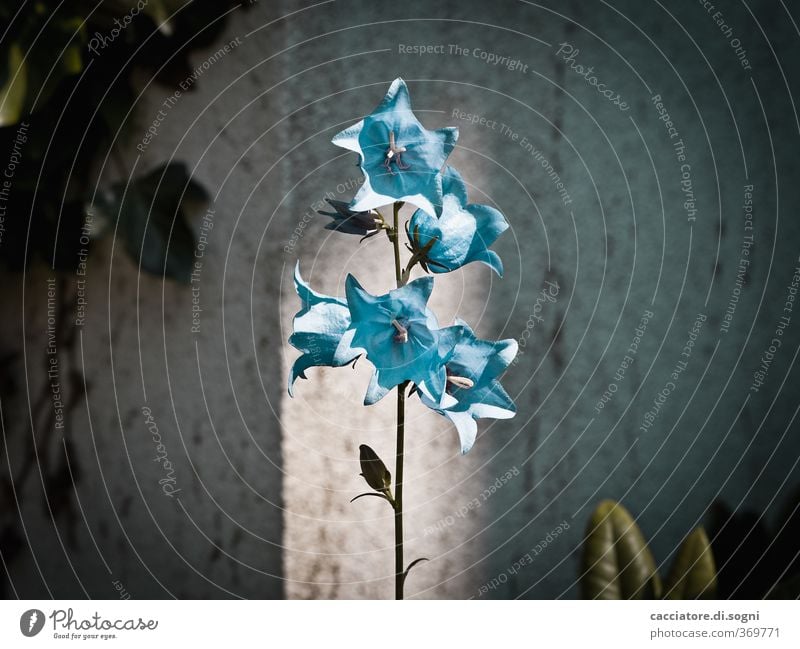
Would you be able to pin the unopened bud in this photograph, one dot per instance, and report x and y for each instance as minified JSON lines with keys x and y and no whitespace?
{"x":374,"y":470}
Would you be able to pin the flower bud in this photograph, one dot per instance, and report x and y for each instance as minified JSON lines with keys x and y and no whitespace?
{"x":374,"y":470}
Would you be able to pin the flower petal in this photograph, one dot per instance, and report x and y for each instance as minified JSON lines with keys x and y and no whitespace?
{"x":318,"y":330}
{"x":399,"y":334}
{"x":466,"y":426}
{"x":401,"y":159}
{"x":461,"y":235}
{"x":482,"y":396}
{"x":453,"y":183}
{"x":348,"y":138}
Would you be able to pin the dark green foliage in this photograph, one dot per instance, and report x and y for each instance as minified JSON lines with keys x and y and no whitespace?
{"x":65,"y":105}
{"x":151,"y":218}
{"x":618,"y":564}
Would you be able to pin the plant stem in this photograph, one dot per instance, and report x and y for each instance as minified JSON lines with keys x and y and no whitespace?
{"x":398,"y":494}
{"x":401,"y":415}
{"x":398,"y":273}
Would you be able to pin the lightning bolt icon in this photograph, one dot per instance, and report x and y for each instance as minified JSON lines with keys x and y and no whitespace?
{"x":32,"y":621}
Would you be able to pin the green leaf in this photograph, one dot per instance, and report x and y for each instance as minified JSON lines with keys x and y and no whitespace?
{"x":375,"y":494}
{"x":151,"y":214}
{"x":617,"y":564}
{"x":374,"y":470}
{"x":55,"y":56}
{"x":693,"y":574}
{"x":410,"y":566}
{"x":14,"y":88}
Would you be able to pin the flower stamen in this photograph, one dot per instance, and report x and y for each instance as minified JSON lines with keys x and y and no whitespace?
{"x":461,"y":382}
{"x":402,"y":333}
{"x":393,"y":154}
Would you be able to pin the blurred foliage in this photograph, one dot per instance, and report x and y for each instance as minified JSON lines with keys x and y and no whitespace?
{"x":618,"y":564}
{"x":755,"y":559}
{"x":62,"y":103}
{"x":693,"y":574}
{"x":151,"y":218}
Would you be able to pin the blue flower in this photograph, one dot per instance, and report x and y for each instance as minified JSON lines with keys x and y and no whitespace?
{"x":473,"y":391}
{"x":345,"y":220}
{"x":401,"y":160}
{"x":400,"y":336}
{"x":461,"y":235}
{"x":318,"y":329}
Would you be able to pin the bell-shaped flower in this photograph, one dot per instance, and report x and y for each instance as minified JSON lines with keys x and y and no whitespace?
{"x":365,"y":224}
{"x":462,"y":234}
{"x":401,"y":160}
{"x":317,"y":331}
{"x":400,"y":336}
{"x":473,"y":390}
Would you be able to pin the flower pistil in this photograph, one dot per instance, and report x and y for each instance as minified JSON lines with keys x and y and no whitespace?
{"x":402,"y":333}
{"x":393,"y":154}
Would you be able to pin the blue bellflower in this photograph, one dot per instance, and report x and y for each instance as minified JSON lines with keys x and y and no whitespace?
{"x":473,"y":390}
{"x":462,"y":234}
{"x":401,"y":160}
{"x":400,"y":336}
{"x":317,"y":331}
{"x":365,"y":224}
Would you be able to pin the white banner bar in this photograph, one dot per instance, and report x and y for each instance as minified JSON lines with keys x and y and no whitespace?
{"x":390,"y":625}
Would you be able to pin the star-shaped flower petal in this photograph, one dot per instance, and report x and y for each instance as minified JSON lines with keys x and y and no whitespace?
{"x":401,"y":160}
{"x":462,"y":234}
{"x":400,"y":336}
{"x":473,"y":390}
{"x":318,"y":329}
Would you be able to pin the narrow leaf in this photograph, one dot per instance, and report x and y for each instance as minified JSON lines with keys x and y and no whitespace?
{"x":411,"y":565}
{"x":373,"y":493}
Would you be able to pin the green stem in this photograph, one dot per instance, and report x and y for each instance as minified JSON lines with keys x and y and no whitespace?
{"x":401,"y":415}
{"x":395,"y":239}
{"x":398,"y":494}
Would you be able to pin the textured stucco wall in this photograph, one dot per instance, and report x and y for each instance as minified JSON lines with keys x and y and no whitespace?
{"x":265,"y":481}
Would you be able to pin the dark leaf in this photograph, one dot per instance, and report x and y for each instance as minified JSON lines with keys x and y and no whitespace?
{"x":51,"y":64}
{"x":152,"y":219}
{"x":787,"y":589}
{"x":373,"y":493}
{"x":741,"y":543}
{"x":410,"y":566}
